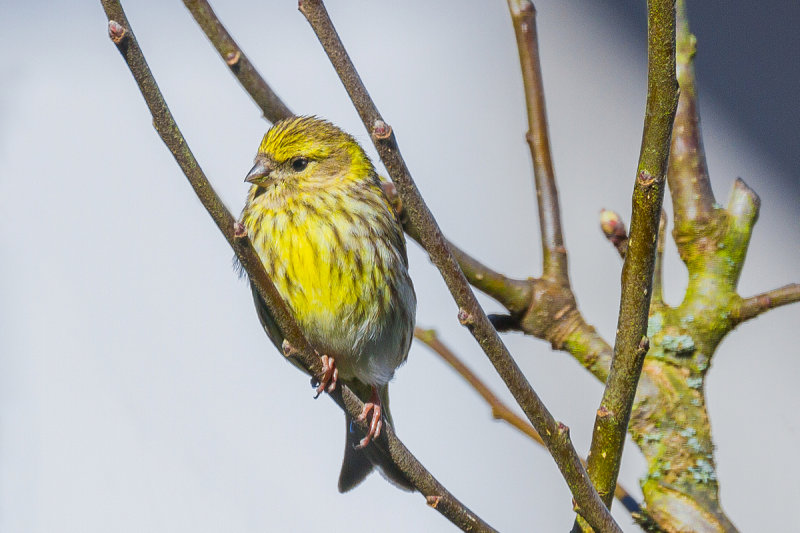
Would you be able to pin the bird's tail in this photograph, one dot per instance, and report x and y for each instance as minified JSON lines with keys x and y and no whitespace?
{"x":358,"y":463}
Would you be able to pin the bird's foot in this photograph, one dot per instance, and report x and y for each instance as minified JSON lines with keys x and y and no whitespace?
{"x":330,"y":374}
{"x":329,"y":377}
{"x":376,"y":422}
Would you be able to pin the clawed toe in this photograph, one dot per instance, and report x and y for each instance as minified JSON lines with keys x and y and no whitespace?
{"x":376,"y":422}
{"x":330,"y":375}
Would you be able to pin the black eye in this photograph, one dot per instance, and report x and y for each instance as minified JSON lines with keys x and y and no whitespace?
{"x":299,"y":164}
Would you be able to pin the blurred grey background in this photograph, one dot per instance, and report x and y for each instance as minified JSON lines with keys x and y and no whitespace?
{"x":137,"y":391}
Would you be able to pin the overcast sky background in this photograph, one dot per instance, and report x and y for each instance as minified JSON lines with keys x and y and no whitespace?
{"x":137,"y":390}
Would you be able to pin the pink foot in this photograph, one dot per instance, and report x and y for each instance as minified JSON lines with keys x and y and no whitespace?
{"x":330,"y":375}
{"x":376,"y":422}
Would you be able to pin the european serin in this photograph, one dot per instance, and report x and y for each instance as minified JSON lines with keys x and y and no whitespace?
{"x":329,"y":240}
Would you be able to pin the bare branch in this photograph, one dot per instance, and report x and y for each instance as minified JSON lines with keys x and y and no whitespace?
{"x":631,"y":344}
{"x":556,"y":435}
{"x":514,"y":294}
{"x":554,"y":254}
{"x":500,"y":410}
{"x":439,"y":498}
{"x":690,"y":187}
{"x":270,"y":103}
{"x":543,"y":308}
{"x":755,"y":305}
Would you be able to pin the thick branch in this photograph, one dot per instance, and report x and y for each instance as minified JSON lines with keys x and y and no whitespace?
{"x":271,"y":105}
{"x":755,"y":305}
{"x":556,"y":435}
{"x":690,"y":187}
{"x":500,"y":410}
{"x":554,"y":254}
{"x":122,"y":35}
{"x":637,"y":273}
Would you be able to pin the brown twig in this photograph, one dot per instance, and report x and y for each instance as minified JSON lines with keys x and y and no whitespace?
{"x":539,"y":307}
{"x":689,"y":184}
{"x":755,"y":305}
{"x":631,"y":344}
{"x":500,"y":410}
{"x":271,"y":105}
{"x":554,"y":254}
{"x":122,"y":35}
{"x":470,"y":313}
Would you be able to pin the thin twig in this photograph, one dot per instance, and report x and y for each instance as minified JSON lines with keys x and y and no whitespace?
{"x":437,"y":496}
{"x":271,"y":105}
{"x":514,"y":294}
{"x":542,"y":308}
{"x":500,"y":410}
{"x":556,"y":435}
{"x":631,"y":343}
{"x":755,"y":305}
{"x":554,"y":254}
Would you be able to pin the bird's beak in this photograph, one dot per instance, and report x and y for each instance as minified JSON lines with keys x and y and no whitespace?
{"x":259,"y":171}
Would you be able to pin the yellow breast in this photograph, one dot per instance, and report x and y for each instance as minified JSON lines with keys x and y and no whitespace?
{"x":338,"y":259}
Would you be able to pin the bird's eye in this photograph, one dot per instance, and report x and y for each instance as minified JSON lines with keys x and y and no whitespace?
{"x":299,"y":164}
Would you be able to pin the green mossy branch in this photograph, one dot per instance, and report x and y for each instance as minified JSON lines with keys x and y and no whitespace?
{"x":669,"y":420}
{"x":631,"y":346}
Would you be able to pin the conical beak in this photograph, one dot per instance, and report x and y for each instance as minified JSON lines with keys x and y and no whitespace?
{"x":257,"y":174}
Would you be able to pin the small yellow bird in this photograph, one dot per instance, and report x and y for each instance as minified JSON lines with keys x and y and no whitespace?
{"x":332,"y":245}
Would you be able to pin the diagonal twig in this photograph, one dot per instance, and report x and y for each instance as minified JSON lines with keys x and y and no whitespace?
{"x":500,"y":410}
{"x":271,"y":105}
{"x":436,"y":494}
{"x":755,"y":305}
{"x":631,"y":343}
{"x":556,"y":435}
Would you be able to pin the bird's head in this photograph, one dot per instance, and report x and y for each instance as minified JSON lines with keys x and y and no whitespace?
{"x":308,"y":152}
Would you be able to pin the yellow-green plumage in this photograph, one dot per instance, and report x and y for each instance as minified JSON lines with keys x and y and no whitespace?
{"x":330,"y":242}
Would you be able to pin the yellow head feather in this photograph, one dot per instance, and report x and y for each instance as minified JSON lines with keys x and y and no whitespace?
{"x":315,"y":139}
